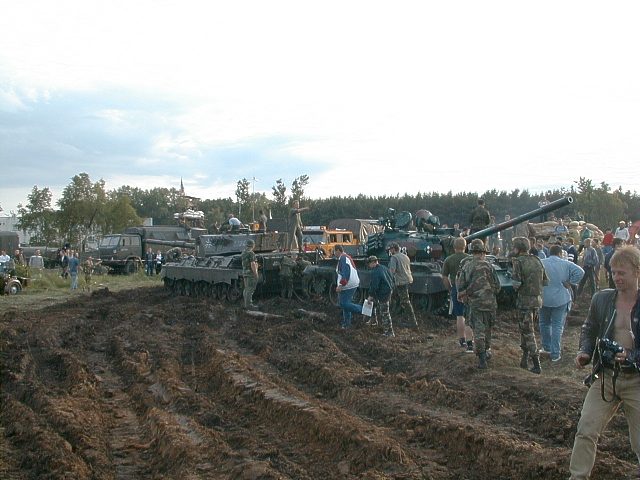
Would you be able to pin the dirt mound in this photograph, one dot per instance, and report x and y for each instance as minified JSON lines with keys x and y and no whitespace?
{"x":139,"y":384}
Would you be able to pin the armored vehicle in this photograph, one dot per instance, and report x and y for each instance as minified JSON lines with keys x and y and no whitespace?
{"x":216,"y":268}
{"x":427,"y":250}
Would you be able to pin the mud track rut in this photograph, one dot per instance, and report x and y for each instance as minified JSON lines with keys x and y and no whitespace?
{"x":139,"y":384}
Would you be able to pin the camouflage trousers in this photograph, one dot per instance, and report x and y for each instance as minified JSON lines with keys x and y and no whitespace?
{"x":526,"y":321}
{"x":385,"y":315}
{"x":250,"y":284}
{"x":405,"y":304}
{"x":481,"y":322}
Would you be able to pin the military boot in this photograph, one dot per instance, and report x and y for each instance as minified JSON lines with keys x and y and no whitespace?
{"x":536,"y":365}
{"x":482,"y":360}
{"x":524,"y":361}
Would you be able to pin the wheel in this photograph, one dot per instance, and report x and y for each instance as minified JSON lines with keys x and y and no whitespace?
{"x":189,"y":288}
{"x":202,"y":288}
{"x":359,"y":296}
{"x":14,"y":287}
{"x":234,"y":293}
{"x":333,"y":296}
{"x":317,"y":287}
{"x":222,"y":289}
{"x":131,"y":267}
{"x":168,"y":283}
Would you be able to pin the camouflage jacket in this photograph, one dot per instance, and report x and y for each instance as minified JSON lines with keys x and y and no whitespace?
{"x":480,"y":218}
{"x":479,"y":281}
{"x":287,"y":264}
{"x":248,"y":257}
{"x":529,"y":278}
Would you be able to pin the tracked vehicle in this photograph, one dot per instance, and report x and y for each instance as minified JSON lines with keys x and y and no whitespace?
{"x":427,"y":251}
{"x":215,"y":270}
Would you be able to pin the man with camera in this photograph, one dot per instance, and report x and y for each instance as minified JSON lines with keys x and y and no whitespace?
{"x":610,"y":339}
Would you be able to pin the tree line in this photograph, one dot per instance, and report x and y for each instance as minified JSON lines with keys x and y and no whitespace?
{"x":86,"y":207}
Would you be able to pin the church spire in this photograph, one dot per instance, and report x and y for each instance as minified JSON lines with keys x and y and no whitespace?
{"x":181,"y":187}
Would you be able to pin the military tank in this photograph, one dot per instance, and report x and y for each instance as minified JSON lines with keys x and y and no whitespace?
{"x":427,"y":248}
{"x":215,"y":271}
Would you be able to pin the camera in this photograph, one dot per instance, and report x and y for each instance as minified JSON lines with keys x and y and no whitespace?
{"x":608,"y":350}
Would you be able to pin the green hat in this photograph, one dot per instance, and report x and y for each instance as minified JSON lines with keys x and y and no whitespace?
{"x":250,"y":243}
{"x":478,"y":246}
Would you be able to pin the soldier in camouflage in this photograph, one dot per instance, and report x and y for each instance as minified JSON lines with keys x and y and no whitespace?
{"x":287,"y":265}
{"x":480,"y":217}
{"x":250,"y":274}
{"x":478,"y":284}
{"x":529,"y":278}
{"x":400,"y":268}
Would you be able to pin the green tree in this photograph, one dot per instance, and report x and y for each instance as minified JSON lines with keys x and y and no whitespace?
{"x":38,"y":218}
{"x":118,"y":215}
{"x":297,"y":187}
{"x":82,"y":207}
{"x":279,"y":192}
{"x":242,"y":194}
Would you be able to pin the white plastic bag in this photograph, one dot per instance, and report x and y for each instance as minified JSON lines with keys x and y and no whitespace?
{"x":367,"y":308}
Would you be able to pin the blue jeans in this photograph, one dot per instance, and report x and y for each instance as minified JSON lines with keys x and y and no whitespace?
{"x":74,"y":280}
{"x":551,"y":327}
{"x":345,"y":297}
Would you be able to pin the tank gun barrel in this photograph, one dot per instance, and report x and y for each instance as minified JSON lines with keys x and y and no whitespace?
{"x":555,"y":205}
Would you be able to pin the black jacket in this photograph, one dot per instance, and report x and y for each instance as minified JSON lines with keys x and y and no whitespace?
{"x":597,"y":323}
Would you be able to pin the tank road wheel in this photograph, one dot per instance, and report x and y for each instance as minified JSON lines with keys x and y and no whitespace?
{"x":189,"y":288}
{"x":202,"y":288}
{"x":168,"y":283}
{"x":333,"y":296}
{"x":359,"y":296}
{"x":234,"y":293}
{"x":317,"y":287}
{"x":178,"y":287}
{"x":212,"y":291}
{"x":222,"y":289}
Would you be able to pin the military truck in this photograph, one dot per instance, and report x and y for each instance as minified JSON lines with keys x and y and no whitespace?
{"x":323,"y":239}
{"x":9,"y":242}
{"x":124,"y":252}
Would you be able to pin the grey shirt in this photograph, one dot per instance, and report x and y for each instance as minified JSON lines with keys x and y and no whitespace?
{"x":400,"y":267}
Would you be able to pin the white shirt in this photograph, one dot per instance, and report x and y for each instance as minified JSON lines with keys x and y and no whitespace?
{"x":622,"y":233}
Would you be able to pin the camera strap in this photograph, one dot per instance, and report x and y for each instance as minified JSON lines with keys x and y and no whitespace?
{"x":614,"y":377}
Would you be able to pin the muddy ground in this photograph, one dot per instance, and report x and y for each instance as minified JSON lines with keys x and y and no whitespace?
{"x":137,"y":384}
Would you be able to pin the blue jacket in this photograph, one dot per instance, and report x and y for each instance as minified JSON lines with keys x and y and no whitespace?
{"x":559,"y":270}
{"x":381,"y":282}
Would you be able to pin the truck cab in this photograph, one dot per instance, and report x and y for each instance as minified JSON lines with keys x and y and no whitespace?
{"x":121,"y":252}
{"x":322,"y":239}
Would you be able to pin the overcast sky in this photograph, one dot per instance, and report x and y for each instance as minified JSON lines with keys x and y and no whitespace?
{"x":362,"y":96}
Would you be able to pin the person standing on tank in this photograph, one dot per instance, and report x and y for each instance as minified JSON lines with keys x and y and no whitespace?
{"x":249,"y":274}
{"x":295,"y":226}
{"x":480,"y":217}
